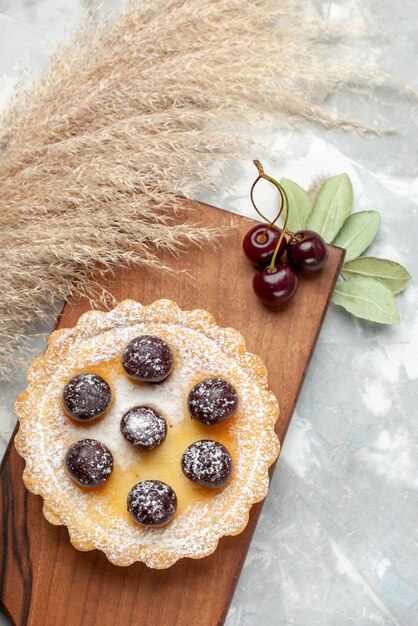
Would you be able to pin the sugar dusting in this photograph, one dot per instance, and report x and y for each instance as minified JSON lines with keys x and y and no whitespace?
{"x":86,"y":396}
{"x":89,"y":462}
{"x":148,"y":358}
{"x":212,"y":399}
{"x":201,"y":350}
{"x":152,"y":502}
{"x":207,"y":462}
{"x":167,"y":398}
{"x":144,"y":426}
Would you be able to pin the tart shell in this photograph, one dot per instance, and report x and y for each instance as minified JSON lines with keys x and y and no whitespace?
{"x":196,"y":530}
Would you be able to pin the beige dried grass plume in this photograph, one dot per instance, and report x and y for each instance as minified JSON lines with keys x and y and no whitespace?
{"x":127,"y":118}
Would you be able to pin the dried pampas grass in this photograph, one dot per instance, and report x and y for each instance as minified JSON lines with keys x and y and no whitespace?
{"x":132,"y":115}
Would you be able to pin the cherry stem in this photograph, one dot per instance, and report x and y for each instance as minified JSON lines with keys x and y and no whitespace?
{"x":289,"y":232}
{"x":263,"y":217}
{"x":283,"y":194}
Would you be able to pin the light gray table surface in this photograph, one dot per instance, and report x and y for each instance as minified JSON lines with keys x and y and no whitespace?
{"x":337,"y":540}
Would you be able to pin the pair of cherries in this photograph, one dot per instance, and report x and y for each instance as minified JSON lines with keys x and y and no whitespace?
{"x":276,"y":280}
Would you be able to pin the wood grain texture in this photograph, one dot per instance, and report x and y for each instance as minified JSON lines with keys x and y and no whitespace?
{"x":44,"y":580}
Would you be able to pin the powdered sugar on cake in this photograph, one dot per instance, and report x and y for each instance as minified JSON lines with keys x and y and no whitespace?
{"x":167,"y":398}
{"x":201,"y":349}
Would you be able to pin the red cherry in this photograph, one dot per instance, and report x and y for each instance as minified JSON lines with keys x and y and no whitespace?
{"x":307,"y":251}
{"x":260,"y":242}
{"x":275,"y":286}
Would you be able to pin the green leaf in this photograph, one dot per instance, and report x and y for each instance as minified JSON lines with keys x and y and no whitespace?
{"x":332,"y":206}
{"x":392,"y":274}
{"x":357,"y":233}
{"x":300,"y":205}
{"x":367,"y":298}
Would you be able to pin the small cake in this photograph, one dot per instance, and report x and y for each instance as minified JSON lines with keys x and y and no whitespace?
{"x":148,"y":431}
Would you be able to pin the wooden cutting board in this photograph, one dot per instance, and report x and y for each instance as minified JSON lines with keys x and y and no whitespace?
{"x":44,"y":580}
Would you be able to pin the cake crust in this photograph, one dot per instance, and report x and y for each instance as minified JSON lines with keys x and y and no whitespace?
{"x":201,"y":349}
